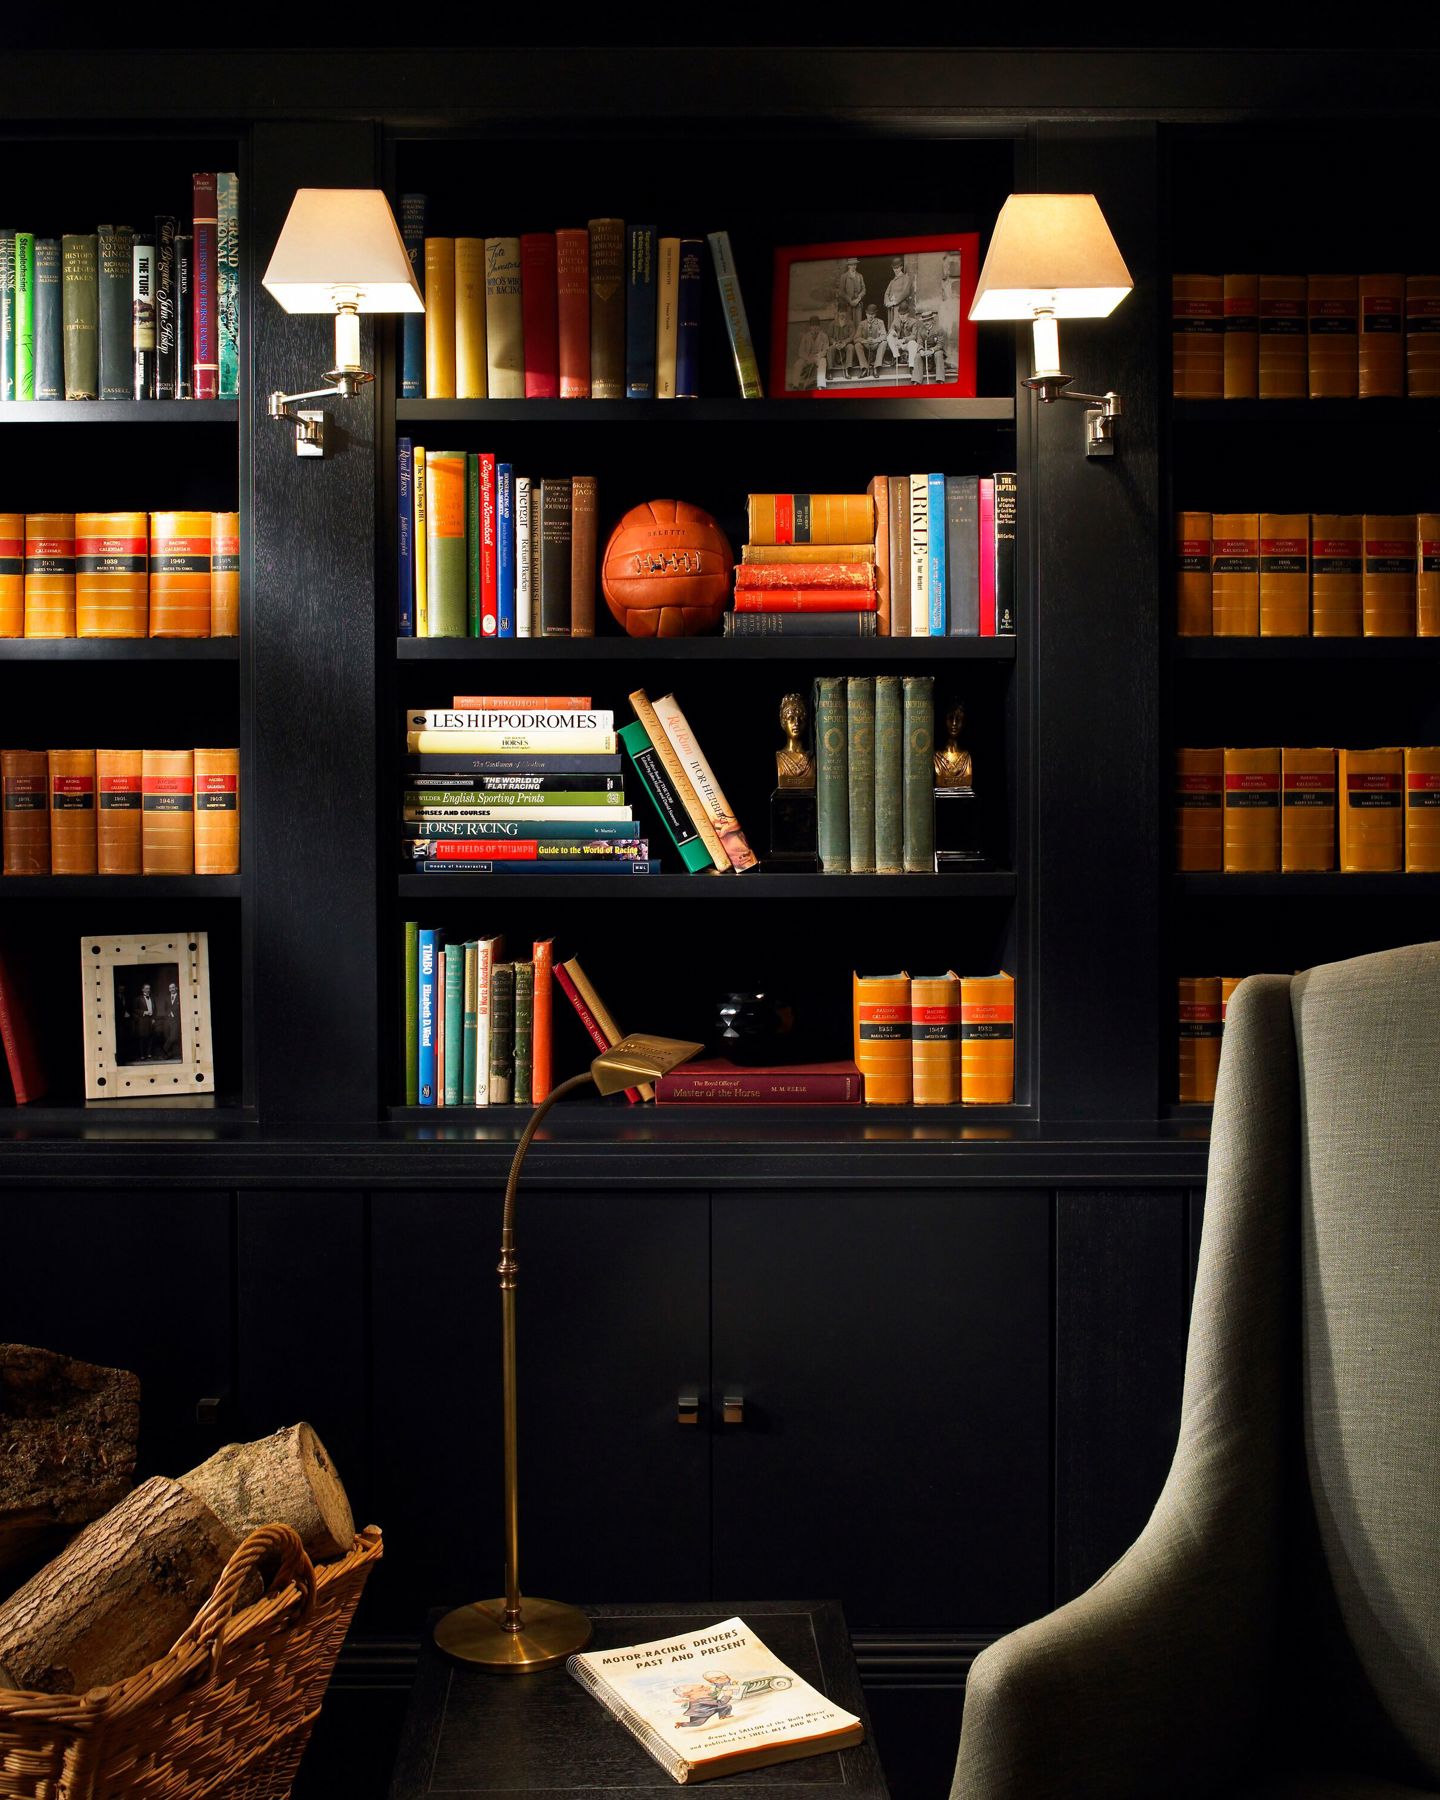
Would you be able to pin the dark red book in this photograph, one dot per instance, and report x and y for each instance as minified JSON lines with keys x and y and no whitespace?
{"x":715,"y":1082}
{"x":489,"y":554}
{"x":588,"y":1020}
{"x":987,"y":556}
{"x":538,"y":301}
{"x":26,"y":1076}
{"x":204,"y":279}
{"x":572,"y":302}
{"x":806,"y":575}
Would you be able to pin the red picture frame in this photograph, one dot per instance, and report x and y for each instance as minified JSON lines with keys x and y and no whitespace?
{"x":930,"y":356}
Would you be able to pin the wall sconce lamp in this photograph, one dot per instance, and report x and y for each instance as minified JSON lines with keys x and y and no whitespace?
{"x":1052,"y":257}
{"x":340,"y":252}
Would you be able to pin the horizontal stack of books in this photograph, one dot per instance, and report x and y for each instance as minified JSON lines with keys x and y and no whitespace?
{"x":1292,"y":337}
{"x":120,"y":812}
{"x":119,"y":574}
{"x":599,"y":312}
{"x":935,"y":1040}
{"x":518,"y":783}
{"x":125,"y":314}
{"x":1307,"y":574}
{"x":484,"y":553}
{"x":875,"y":774}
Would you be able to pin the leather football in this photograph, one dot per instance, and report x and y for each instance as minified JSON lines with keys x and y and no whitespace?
{"x":667,"y":570}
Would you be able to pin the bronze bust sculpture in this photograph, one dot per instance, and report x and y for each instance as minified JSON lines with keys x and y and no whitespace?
{"x":794,"y":765}
{"x":954,"y":766}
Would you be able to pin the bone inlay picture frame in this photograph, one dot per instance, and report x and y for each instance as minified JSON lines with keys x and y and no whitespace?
{"x":147,"y":1017}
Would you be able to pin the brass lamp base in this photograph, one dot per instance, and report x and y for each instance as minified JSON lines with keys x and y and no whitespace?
{"x":476,"y":1634}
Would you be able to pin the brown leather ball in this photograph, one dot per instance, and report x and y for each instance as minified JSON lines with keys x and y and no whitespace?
{"x":667,"y":570}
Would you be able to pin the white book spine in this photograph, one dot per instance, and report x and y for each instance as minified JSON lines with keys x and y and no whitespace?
{"x":702,"y":778}
{"x":523,"y":577}
{"x":919,"y":556}
{"x":424,"y":741}
{"x":560,"y":815}
{"x":448,"y":719}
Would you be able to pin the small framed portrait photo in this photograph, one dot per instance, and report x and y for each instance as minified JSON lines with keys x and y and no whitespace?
{"x":147,"y":1017}
{"x":887,"y":316}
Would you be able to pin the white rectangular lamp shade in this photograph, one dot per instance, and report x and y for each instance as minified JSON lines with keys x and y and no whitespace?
{"x":342,"y":245}
{"x":1051,"y":253}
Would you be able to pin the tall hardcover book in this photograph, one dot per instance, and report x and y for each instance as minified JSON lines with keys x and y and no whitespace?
{"x":680,"y":783}
{"x":1284,"y":360}
{"x":1284,"y":574}
{"x":1193,"y":617}
{"x":555,"y":556}
{"x":180,"y":549}
{"x":1199,"y":810}
{"x":504,"y":319}
{"x":1388,"y":574}
{"x":541,"y":1080}
{"x":80,"y":313}
{"x":640,"y":320}
{"x":1242,"y":337}
{"x":217,"y":812}
{"x":165,"y":297}
{"x":812,"y":518}
{"x":431,"y":943}
{"x":920,"y":556}
{"x":1235,"y":574}
{"x":73,"y":848}
{"x":12,"y":575}
{"x":1007,"y":509}
{"x":572,"y":311}
{"x":184,"y":315}
{"x":1336,"y":580}
{"x":986,"y":488}
{"x":657,"y":784}
{"x":881,"y":1013}
{"x":1422,"y":336}
{"x":667,"y":315}
{"x":7,"y":314}
{"x":936,"y":508}
{"x":1333,"y":303}
{"x":142,"y":318}
{"x":1197,"y":328}
{"x":1252,"y":811}
{"x":935,"y":1039}
{"x":439,"y":318}
{"x":472,"y":379}
{"x":405,"y":537}
{"x":1372,"y":818}
{"x":687,"y":324}
{"x":410,"y":1011}
{"x":1422,"y":810}
{"x":204,"y":299}
{"x":49,"y":575}
{"x":470,"y":972}
{"x":453,"y":1000}
{"x":472,"y":543}
{"x":116,"y":275}
{"x":737,"y":324}
{"x":49,"y":337}
{"x":167,"y":806}
{"x":489,"y":623}
{"x":898,"y":498}
{"x":25,"y":818}
{"x":1307,"y":810}
{"x":540,"y":322}
{"x":860,"y":771}
{"x":443,"y":953}
{"x":584,"y":554}
{"x":889,"y":776}
{"x":504,"y":550}
{"x":413,"y":211}
{"x":1382,"y":337}
{"x":525,"y":608}
{"x":422,"y":582}
{"x":1200,"y":1025}
{"x":24,"y":315}
{"x":524,"y":1052}
{"x":602,"y":1016}
{"x":490,"y":952}
{"x":832,"y":774}
{"x":987,"y":1040}
{"x":1427,"y":575}
{"x":117,"y":812}
{"x":710,"y":794}
{"x":962,"y":555}
{"x":112,"y":581}
{"x":607,"y":309}
{"x":227,"y":282}
{"x":878,"y":489}
{"x":918,"y":773}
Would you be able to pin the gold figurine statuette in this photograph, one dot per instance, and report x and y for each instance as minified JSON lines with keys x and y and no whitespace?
{"x":954,"y":767}
{"x":794,"y":765}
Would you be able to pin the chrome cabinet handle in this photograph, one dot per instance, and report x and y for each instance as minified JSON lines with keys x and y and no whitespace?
{"x":733,"y":1410}
{"x":687,"y":1407}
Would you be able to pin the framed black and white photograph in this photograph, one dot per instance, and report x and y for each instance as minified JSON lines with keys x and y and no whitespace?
{"x":147,"y":1017}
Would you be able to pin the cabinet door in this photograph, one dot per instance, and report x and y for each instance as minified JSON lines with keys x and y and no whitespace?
{"x":135,"y":1279}
{"x":893,"y":1352}
{"x":613,"y":1319}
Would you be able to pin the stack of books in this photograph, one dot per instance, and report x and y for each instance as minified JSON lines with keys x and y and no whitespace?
{"x":875,"y":774}
{"x":518,"y":782}
{"x":935,"y":1040}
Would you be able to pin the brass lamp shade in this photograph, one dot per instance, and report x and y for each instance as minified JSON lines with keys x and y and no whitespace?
{"x":342,"y":243}
{"x":1052,"y":253}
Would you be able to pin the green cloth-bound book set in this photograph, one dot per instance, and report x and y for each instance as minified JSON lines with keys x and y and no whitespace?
{"x":875,"y":773}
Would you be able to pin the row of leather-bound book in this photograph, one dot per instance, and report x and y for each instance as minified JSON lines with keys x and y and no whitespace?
{"x":1203,"y":1002}
{"x":935,"y":1040}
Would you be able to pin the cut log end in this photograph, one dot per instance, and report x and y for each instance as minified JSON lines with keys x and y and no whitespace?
{"x":287,"y":1478}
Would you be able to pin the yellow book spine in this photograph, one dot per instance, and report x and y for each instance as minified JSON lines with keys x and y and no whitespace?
{"x":1197,"y":312}
{"x":809,"y":553}
{"x":12,"y":575}
{"x":1427,"y":575}
{"x":25,"y":823}
{"x":180,"y":544}
{"x":1252,"y":811}
{"x":217,"y":812}
{"x":117,"y":811}
{"x":73,"y":848}
{"x":667,"y":318}
{"x":1391,"y":542}
{"x":1422,"y":336}
{"x":49,"y":575}
{"x":1336,"y":580}
{"x":1199,"y":809}
{"x":1284,"y":574}
{"x":1228,"y":985}
{"x":1422,"y":809}
{"x":167,"y":812}
{"x":1307,"y":821}
{"x":1372,"y":820}
{"x":987,"y":1040}
{"x":418,"y":539}
{"x":225,"y":574}
{"x":470,"y":373}
{"x":1382,"y":336}
{"x":881,"y":1010}
{"x":1333,"y":304}
{"x":1193,"y":617}
{"x":935,"y":1039}
{"x":811,"y":518}
{"x":1283,"y":339}
{"x":1200,"y":1030}
{"x":1235,"y":574}
{"x":439,"y":318}
{"x":112,"y":575}
{"x":1242,"y":337}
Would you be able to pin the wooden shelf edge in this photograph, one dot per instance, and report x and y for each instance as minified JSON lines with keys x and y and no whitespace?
{"x":1304,"y":649}
{"x":119,"y":412}
{"x":129,"y":887}
{"x":1331,"y":884}
{"x":68,"y":650}
{"x":996,"y":409}
{"x":745,"y":649}
{"x":983,"y":885}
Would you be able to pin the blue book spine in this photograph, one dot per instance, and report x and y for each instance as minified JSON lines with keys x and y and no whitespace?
{"x":412,"y":327}
{"x":640,"y":313}
{"x":7,"y":315}
{"x":687,"y":318}
{"x":936,"y":497}
{"x":608,"y":865}
{"x":505,"y":549}
{"x":405,"y":535}
{"x":430,"y":943}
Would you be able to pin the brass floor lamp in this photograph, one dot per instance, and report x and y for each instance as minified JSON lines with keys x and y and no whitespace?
{"x":512,"y":1635}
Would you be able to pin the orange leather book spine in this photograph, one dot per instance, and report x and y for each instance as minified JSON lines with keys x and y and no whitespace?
{"x":225,"y":574}
{"x":1192,"y":574}
{"x":112,"y":574}
{"x":1235,"y":574}
{"x":935,"y":1038}
{"x":1284,"y":574}
{"x":180,"y":574}
{"x":25,"y":823}
{"x":117,"y":811}
{"x":1199,"y":809}
{"x":1307,"y":810}
{"x":1228,"y":985}
{"x":73,"y":843}
{"x":1200,"y":1029}
{"x":1382,"y":337}
{"x":1427,"y":575}
{"x":879,"y":491}
{"x":987,"y":1040}
{"x":167,"y":809}
{"x":881,"y":1009}
{"x":1388,"y":574}
{"x":1334,"y":340}
{"x":1242,"y":337}
{"x":1284,"y":361}
{"x":1252,"y":811}
{"x":49,"y":575}
{"x":1372,"y":820}
{"x":1197,"y":309}
{"x":542,"y":1023}
{"x":217,"y":812}
{"x":1422,"y":336}
{"x":1422,"y":810}
{"x":12,"y":575}
{"x":1336,"y":579}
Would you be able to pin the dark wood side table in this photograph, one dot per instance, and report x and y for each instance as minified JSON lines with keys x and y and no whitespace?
{"x":469,"y":1732}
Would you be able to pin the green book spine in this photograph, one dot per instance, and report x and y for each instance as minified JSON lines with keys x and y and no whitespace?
{"x":227,"y":282}
{"x":80,"y":314}
{"x":919,"y":774}
{"x":470,"y":1026}
{"x":668,"y":804}
{"x":502,"y":1032}
{"x":445,"y":542}
{"x":889,"y":812}
{"x":116,"y":312}
{"x":454,"y":1023}
{"x":524,"y":1031}
{"x":411,"y":1033}
{"x":49,"y":343}
{"x":24,"y":315}
{"x":7,"y":315}
{"x":472,"y":542}
{"x":832,"y":782}
{"x":860,"y":770}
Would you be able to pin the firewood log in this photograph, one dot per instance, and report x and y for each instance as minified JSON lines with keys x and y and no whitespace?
{"x":287,"y":1478}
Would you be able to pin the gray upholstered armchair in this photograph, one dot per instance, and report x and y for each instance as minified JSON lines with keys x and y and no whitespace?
{"x":1275,"y":1630}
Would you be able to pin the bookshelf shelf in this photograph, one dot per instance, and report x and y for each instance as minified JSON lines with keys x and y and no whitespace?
{"x":134,"y":650}
{"x":191,"y":1118}
{"x":762,"y":1122}
{"x":120,"y":412}
{"x":122,"y":887}
{"x":707,"y":649}
{"x":1309,"y":414}
{"x":986,"y":411}
{"x":1306,"y":649}
{"x":1332,"y":886}
{"x":983,"y":885}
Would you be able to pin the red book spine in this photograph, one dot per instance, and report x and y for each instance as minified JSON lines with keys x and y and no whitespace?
{"x":589,"y":1021}
{"x":26,"y":1076}
{"x":205,"y":329}
{"x":810,"y":600}
{"x":489,"y":567}
{"x":538,"y":301}
{"x":805,"y":575}
{"x":541,"y":1081}
{"x":572,"y":305}
{"x":758,"y":1087}
{"x":987,"y":556}
{"x":482,"y":849}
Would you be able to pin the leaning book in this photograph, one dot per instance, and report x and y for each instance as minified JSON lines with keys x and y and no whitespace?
{"x":715,"y":1703}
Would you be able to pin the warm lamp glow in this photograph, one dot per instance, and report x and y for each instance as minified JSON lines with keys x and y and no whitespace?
{"x":1051,"y":253}
{"x":342,"y":246}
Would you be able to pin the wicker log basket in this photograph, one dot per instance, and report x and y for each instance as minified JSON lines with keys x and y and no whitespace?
{"x":225,"y":1714}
